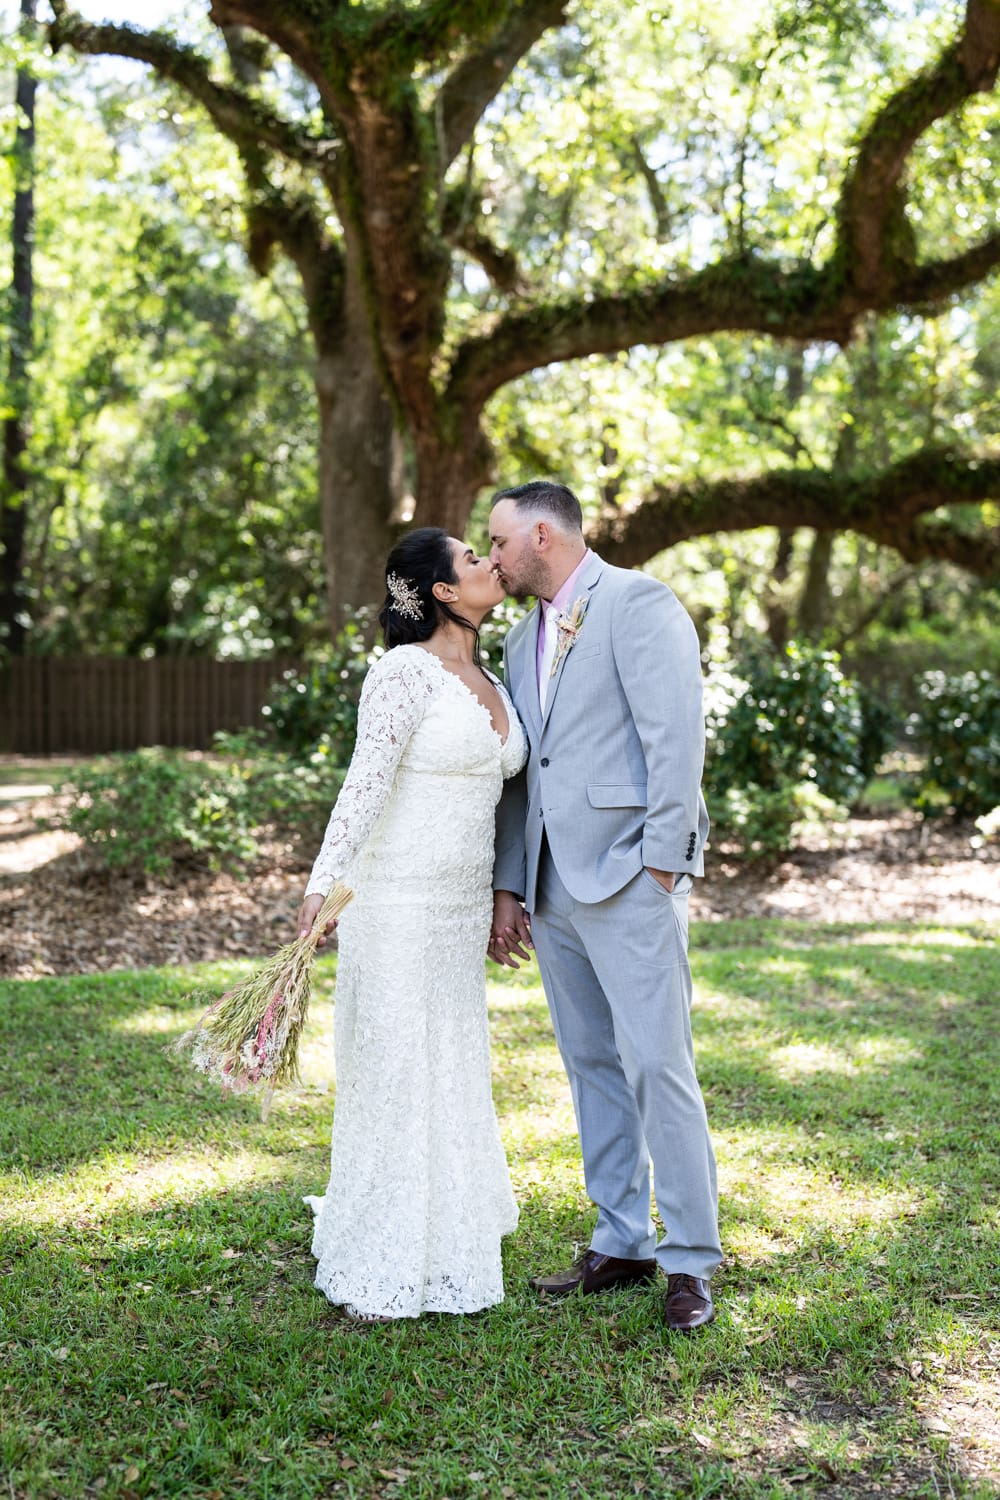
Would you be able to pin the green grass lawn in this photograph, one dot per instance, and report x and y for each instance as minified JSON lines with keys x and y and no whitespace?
{"x":160,"y":1334}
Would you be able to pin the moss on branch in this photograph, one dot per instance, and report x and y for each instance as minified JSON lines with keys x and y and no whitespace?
{"x":893,"y":507}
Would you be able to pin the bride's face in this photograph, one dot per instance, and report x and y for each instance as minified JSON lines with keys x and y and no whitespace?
{"x":477,"y":586}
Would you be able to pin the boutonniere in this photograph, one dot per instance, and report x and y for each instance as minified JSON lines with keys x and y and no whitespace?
{"x":568,"y":627}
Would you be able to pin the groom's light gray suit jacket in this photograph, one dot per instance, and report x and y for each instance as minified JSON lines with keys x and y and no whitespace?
{"x":613,"y":778}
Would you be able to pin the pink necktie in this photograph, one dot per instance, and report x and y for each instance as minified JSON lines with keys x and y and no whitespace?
{"x":548,"y":652}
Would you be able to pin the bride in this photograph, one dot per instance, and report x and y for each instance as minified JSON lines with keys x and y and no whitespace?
{"x":419,"y":1195}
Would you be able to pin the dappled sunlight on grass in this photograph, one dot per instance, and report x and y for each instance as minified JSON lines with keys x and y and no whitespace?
{"x":790,"y":1197}
{"x":104,"y":1188}
{"x":162,"y":1318}
{"x":799,"y":1060}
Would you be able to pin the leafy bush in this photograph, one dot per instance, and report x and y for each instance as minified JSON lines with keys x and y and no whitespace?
{"x":157,"y":810}
{"x":957,"y":724}
{"x":782,"y":720}
{"x":290,"y":795}
{"x":153,"y":809}
{"x":788,"y":744}
{"x":764,"y":823}
{"x":319,"y":706}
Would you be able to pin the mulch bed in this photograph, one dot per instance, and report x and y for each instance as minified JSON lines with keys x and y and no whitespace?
{"x":62,"y":914}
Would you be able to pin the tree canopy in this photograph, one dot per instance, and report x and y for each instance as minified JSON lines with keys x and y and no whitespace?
{"x":763,"y":242}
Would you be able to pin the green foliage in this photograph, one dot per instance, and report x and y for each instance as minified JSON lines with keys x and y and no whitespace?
{"x":958,"y":726}
{"x":289,"y":795}
{"x":155,"y":809}
{"x":788,"y":745}
{"x":174,"y":445}
{"x":764,"y":823}
{"x":796,"y":719}
{"x":318,"y":707}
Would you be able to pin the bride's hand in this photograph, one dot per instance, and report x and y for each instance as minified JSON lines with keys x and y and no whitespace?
{"x":510,"y":938}
{"x":308,"y":912}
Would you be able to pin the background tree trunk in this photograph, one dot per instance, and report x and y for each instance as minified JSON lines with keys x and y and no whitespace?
{"x":360,"y":479}
{"x":14,"y":497}
{"x":776,"y":604}
{"x":814,"y":604}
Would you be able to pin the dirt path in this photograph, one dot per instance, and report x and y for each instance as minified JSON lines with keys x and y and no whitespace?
{"x":58,"y":914}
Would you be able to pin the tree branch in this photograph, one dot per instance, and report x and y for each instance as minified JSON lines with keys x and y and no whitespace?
{"x":871,"y":218}
{"x":871,"y":269}
{"x":749,"y":294}
{"x":931,"y":283}
{"x":245,"y":120}
{"x":462,"y":226}
{"x":892,"y":507}
{"x":478,"y":78}
{"x":662,"y":213}
{"x":297,"y":29}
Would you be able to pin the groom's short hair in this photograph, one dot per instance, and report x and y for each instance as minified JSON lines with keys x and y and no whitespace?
{"x":544,"y":497}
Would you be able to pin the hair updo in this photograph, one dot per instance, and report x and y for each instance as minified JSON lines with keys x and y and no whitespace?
{"x":410,"y":613}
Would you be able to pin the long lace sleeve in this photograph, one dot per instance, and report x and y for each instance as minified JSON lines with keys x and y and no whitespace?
{"x":393,"y":701}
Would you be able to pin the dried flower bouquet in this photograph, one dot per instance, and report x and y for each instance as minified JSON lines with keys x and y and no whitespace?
{"x":249,"y":1037}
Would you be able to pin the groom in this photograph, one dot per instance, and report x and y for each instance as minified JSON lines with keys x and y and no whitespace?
{"x":597,"y":842}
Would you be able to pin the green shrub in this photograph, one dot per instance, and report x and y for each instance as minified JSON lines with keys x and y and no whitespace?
{"x":788,"y":745}
{"x":319,"y":706}
{"x":764,"y":823}
{"x":154,"y":809}
{"x":287,"y":794}
{"x":781,"y":720}
{"x":957,"y":725}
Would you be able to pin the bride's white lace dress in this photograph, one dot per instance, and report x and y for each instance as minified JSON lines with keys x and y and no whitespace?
{"x":419,"y":1195}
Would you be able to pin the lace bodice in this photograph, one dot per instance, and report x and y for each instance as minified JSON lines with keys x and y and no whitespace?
{"x":416,"y":719}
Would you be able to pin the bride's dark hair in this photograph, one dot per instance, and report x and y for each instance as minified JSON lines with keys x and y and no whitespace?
{"x":419,"y":560}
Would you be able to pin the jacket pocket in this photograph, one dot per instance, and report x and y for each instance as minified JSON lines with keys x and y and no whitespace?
{"x":616,"y":796}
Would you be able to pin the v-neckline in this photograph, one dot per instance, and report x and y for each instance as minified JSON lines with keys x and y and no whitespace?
{"x":474,"y":696}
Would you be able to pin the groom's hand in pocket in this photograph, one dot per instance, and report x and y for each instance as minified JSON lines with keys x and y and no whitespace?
{"x":510,"y":938}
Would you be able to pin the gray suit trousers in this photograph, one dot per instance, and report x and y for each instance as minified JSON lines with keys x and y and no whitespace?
{"x":618,"y":983}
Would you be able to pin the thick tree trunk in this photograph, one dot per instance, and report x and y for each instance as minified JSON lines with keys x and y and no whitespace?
{"x":450,"y":472}
{"x":359,"y":479}
{"x":14,"y":496}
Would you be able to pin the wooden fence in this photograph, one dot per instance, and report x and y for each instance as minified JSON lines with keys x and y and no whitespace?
{"x":50,"y":705}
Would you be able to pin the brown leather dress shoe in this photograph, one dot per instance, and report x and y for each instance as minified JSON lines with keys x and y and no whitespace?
{"x":688,"y":1303}
{"x":592,"y":1272}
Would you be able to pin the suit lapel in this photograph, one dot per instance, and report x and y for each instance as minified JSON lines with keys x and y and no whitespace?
{"x":523,"y":670}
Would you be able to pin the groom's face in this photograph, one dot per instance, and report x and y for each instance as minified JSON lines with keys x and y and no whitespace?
{"x":514,"y":551}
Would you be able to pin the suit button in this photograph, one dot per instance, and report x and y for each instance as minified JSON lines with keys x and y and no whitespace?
{"x":544,"y":761}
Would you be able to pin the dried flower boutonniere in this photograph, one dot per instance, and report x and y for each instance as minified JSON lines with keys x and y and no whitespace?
{"x":568,"y":627}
